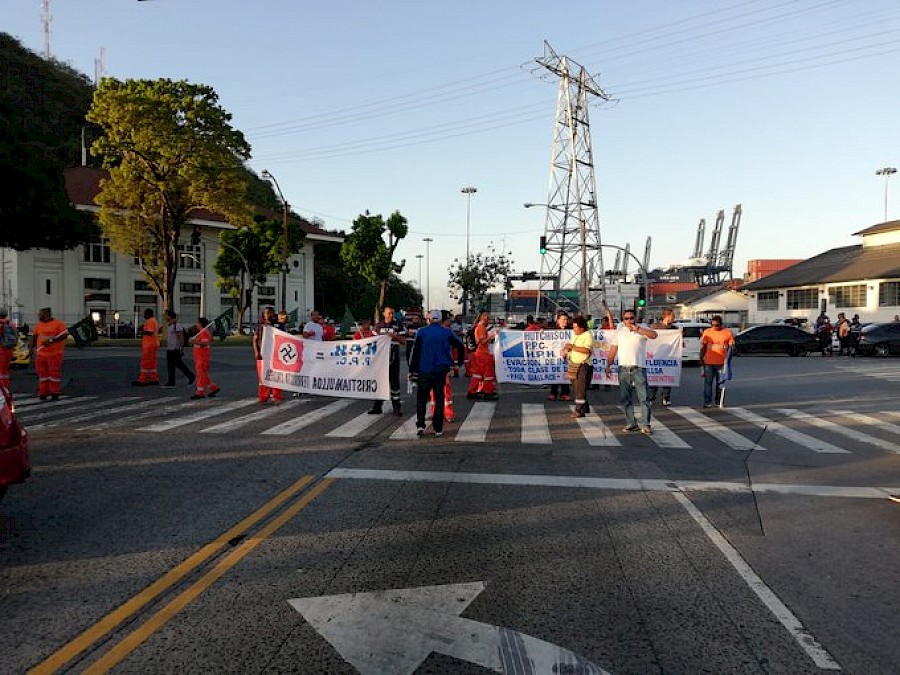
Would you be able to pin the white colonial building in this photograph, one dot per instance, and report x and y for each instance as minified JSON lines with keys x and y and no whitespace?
{"x":863,"y":279}
{"x":91,"y":279}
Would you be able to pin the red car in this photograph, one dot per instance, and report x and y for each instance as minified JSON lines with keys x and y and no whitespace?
{"x":14,"y":464}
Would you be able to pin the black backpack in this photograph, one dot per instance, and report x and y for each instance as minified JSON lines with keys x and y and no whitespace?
{"x":469,"y":340}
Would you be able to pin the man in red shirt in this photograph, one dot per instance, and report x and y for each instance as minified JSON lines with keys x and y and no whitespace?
{"x":715,"y":344}
{"x":47,"y":344}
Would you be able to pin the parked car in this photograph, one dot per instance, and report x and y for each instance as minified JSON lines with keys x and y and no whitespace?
{"x":880,"y":339}
{"x":691,"y":331}
{"x":775,"y":338}
{"x":14,"y":462}
{"x":21,"y":353}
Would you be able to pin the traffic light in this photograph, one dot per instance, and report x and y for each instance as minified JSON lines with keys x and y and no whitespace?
{"x":642,"y":296}
{"x":195,"y":236}
{"x":543,"y":245}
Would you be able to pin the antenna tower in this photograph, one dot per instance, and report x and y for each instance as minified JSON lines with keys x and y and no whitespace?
{"x":46,"y":18}
{"x":573,"y":258}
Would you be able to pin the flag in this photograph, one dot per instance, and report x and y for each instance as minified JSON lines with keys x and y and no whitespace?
{"x":222,"y":324}
{"x":83,"y":332}
{"x":726,"y":373}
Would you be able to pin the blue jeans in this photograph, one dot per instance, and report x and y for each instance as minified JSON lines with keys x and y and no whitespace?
{"x":633,"y":387}
{"x":711,"y":383}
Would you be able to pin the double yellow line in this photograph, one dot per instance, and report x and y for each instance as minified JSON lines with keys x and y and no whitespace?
{"x":133,"y":640}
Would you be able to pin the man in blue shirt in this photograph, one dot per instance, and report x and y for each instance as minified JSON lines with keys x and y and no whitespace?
{"x":431,"y":359}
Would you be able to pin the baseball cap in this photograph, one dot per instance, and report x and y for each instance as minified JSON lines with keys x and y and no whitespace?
{"x":435,"y":315}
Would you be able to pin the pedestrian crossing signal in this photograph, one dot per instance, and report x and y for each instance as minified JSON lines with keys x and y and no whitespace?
{"x":543,"y":245}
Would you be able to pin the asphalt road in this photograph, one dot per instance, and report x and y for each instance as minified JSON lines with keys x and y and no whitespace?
{"x":164,"y":535}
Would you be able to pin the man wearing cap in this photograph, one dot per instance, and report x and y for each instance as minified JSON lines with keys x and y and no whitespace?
{"x":5,"y":352}
{"x":47,"y":344}
{"x":429,"y":364}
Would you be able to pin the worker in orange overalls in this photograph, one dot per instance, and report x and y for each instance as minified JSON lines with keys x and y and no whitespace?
{"x":47,"y":344}
{"x":459,"y":352}
{"x":483,"y":385}
{"x":149,"y":347}
{"x":202,"y":343}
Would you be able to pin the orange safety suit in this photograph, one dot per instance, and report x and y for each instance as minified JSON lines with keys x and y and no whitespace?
{"x":48,"y":358}
{"x":481,"y":366}
{"x":149,"y":349}
{"x":202,"y":342}
{"x":449,"y":414}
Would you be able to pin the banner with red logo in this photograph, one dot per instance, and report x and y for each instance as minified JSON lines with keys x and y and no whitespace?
{"x":344,"y":368}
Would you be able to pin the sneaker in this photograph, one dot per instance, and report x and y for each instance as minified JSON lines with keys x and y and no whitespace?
{"x":894,"y":498}
{"x":438,"y":434}
{"x":215,"y":391}
{"x":197,"y":397}
{"x":646,"y":431}
{"x":667,"y":401}
{"x":43,"y":398}
{"x":631,"y":427}
{"x":707,"y":405}
{"x":420,"y":431}
{"x":451,"y":420}
{"x":55,"y":397}
{"x":551,"y":397}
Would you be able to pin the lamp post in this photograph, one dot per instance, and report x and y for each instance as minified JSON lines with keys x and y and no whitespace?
{"x":468,"y":192}
{"x":284,"y":237}
{"x":427,"y":241}
{"x":419,"y":256}
{"x":887,"y":172}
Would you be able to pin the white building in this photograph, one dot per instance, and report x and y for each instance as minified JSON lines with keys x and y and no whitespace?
{"x":91,"y":279}
{"x":863,"y":279}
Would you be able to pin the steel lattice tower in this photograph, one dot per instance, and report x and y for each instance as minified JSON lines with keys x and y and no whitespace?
{"x":573,"y":258}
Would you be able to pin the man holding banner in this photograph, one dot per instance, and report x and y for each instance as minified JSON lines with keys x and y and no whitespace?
{"x":47,"y":344}
{"x":631,"y":348}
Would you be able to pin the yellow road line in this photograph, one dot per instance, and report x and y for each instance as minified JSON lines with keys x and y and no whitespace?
{"x":158,"y":620}
{"x":69,"y":651}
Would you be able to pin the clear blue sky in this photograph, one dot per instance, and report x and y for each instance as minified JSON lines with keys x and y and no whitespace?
{"x":788,"y":108}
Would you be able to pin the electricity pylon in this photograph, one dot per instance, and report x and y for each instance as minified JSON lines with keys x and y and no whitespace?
{"x":573,"y":257}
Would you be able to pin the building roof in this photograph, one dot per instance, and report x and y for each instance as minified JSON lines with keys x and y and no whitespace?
{"x":848,"y":263}
{"x":888,"y":226}
{"x":83,"y":186}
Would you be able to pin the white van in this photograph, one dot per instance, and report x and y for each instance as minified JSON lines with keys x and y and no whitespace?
{"x":690,"y":339}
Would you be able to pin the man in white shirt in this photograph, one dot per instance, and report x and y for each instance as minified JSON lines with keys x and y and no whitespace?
{"x":630,"y":346}
{"x":313,"y":328}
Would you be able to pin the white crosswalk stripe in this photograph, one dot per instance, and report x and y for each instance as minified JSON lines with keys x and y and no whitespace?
{"x":25,"y":409}
{"x":238,"y":422}
{"x":665,"y":437}
{"x":798,"y":437}
{"x":289,"y":427}
{"x":840,"y":429}
{"x":98,"y":412}
{"x":730,"y":438}
{"x":475,"y":427}
{"x":355,"y":426}
{"x":595,"y":432}
{"x":535,"y":428}
{"x":151,"y":411}
{"x":869,"y":420}
{"x":406,"y":431}
{"x":201,"y":414}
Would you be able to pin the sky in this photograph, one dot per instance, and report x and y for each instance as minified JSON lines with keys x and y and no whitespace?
{"x":787,"y":108}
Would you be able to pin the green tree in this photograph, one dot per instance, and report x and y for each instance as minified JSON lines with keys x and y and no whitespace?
{"x":170,"y":151}
{"x":480,"y":274}
{"x":365,"y":252}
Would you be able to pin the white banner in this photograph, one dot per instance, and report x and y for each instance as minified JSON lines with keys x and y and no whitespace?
{"x":344,"y":368}
{"x":533,"y":357}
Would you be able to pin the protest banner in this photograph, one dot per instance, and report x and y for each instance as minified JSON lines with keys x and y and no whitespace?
{"x":343,"y":368}
{"x":83,"y":332}
{"x":534,"y":357}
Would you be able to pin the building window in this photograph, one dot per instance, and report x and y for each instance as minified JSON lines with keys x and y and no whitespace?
{"x":47,"y":286}
{"x":189,"y":288}
{"x":803,"y":298}
{"x":141,"y":285}
{"x":189,"y":257}
{"x":767,"y":301}
{"x":96,"y":250}
{"x":848,"y":296}
{"x":266,"y":291}
{"x":889,"y":294}
{"x":93,"y":284}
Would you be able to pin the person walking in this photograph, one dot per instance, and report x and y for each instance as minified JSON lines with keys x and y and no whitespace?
{"x":429,"y":364}
{"x":580,"y":356}
{"x":666,"y":322}
{"x":8,"y":340}
{"x":630,"y":345}
{"x":392,"y":327}
{"x":48,"y":345}
{"x":714,"y":345}
{"x":264,"y":393}
{"x":483,"y":383}
{"x":561,"y":391}
{"x":176,"y":339}
{"x":202,"y":343}
{"x":149,"y":374}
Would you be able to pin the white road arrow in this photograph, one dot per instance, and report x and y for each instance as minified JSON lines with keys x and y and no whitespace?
{"x":394,"y":631}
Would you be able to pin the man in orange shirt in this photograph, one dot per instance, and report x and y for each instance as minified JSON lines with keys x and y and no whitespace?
{"x":47,"y":344}
{"x":149,"y":347}
{"x":714,"y":345}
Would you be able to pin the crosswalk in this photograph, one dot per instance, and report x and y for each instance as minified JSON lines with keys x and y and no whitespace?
{"x":829,"y":431}
{"x":888,"y":369}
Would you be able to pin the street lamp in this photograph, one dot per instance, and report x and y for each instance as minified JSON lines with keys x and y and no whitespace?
{"x":427,"y":241}
{"x":887,"y":172}
{"x":420,"y":256}
{"x":284,"y":237}
{"x":468,"y":192}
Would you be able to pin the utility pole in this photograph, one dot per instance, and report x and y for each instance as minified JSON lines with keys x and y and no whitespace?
{"x":428,"y":241}
{"x":46,"y":18}
{"x":571,"y":202}
{"x":284,"y":238}
{"x":468,"y":192}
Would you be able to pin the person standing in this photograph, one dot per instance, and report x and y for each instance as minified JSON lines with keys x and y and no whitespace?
{"x":630,"y":345}
{"x":48,"y":344}
{"x":175,"y":343}
{"x":329,"y":332}
{"x":365,"y":330}
{"x":459,"y":352}
{"x":580,"y":355}
{"x":429,"y":365}
{"x":843,"y":333}
{"x":531,"y":324}
{"x":392,"y":327}
{"x":459,"y":328}
{"x":6,"y":352}
{"x":714,"y":345}
{"x":149,"y":374}
{"x":263,"y":392}
{"x":561,"y":391}
{"x":312,"y":329}
{"x":666,"y":322}
{"x":202,"y":343}
{"x":483,"y":384}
